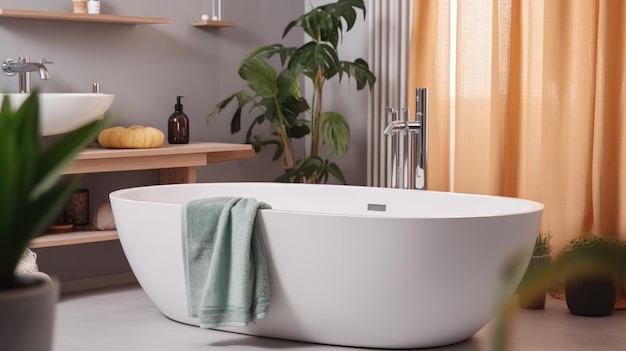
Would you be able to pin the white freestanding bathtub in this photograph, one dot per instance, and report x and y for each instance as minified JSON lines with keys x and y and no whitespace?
{"x":348,"y":265}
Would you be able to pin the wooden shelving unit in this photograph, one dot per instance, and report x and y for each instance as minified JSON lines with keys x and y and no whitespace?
{"x":177,"y":164}
{"x":213,"y":24}
{"x":75,"y":17}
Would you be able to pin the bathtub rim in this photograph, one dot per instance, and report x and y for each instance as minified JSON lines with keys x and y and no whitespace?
{"x":532,"y":206}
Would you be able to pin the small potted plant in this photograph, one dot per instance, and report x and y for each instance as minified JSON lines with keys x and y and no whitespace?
{"x":535,"y":298}
{"x":32,"y":193}
{"x":591,"y":264}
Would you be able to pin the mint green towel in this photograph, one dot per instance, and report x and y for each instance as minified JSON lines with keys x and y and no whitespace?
{"x":225,"y":262}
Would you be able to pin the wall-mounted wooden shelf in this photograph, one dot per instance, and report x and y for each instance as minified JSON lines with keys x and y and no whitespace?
{"x":177,"y":163}
{"x":97,"y":159}
{"x":73,"y":238}
{"x":213,"y":24}
{"x":76,"y":17}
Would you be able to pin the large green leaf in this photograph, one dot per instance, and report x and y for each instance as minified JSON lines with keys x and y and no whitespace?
{"x":9,"y":167}
{"x":28,"y":143}
{"x":260,"y":75}
{"x":315,"y":23}
{"x":280,"y":149}
{"x":311,"y":166}
{"x":31,"y":186}
{"x":39,"y":212}
{"x":287,"y":85}
{"x":299,"y":131}
{"x":335,"y":132}
{"x":335,"y":171}
{"x":272,"y":113}
{"x":345,"y":9}
{"x":257,"y":121}
{"x":303,"y":171}
{"x":359,"y":70}
{"x":242,"y":99}
{"x":314,"y":56}
{"x":235,"y":123}
{"x":59,"y":155}
{"x":259,"y":144}
{"x":312,"y":169}
{"x":324,"y":23}
{"x":287,"y":177}
{"x":268,"y":51}
{"x":292,"y":108}
{"x":324,"y":27}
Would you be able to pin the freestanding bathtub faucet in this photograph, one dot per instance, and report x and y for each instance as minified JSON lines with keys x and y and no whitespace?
{"x":409,"y":144}
{"x":23,"y":66}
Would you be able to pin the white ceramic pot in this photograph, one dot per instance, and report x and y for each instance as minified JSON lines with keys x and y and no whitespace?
{"x":27,"y":314}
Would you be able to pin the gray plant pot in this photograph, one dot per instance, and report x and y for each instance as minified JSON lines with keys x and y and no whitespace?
{"x":536,"y":299}
{"x":27,"y":317}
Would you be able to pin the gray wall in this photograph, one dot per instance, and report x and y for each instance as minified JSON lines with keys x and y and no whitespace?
{"x":146,"y":66}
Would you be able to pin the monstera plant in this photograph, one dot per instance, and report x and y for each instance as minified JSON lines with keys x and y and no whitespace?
{"x":274,"y":97}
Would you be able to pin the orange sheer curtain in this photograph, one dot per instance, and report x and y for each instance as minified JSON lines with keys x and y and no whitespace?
{"x":429,"y":67}
{"x":540,"y":105}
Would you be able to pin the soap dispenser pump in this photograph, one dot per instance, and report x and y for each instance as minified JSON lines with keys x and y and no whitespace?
{"x":178,"y":125}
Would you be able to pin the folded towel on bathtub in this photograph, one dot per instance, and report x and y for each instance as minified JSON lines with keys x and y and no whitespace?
{"x":225,"y":262}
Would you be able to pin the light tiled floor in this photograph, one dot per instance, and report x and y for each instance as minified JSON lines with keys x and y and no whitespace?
{"x":123,"y":318}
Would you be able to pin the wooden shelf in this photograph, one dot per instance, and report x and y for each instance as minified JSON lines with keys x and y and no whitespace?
{"x":76,"y":17}
{"x":177,"y":163}
{"x":73,"y":238}
{"x":213,"y":24}
{"x":97,"y":159}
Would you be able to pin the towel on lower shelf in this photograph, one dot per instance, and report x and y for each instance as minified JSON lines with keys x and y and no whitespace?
{"x":225,"y":262}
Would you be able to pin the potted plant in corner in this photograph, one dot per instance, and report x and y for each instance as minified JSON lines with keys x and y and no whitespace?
{"x":535,"y":299}
{"x":591,"y":264}
{"x":274,"y":95}
{"x":32,"y":193}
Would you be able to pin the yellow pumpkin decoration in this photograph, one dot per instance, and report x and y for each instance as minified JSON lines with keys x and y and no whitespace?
{"x":133,"y":137}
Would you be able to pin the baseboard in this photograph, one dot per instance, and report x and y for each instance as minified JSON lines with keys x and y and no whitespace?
{"x":69,"y":286}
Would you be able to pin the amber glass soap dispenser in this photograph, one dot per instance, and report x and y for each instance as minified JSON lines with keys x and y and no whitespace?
{"x":178,"y":125}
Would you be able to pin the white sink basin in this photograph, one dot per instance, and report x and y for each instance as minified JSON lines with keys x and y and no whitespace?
{"x":62,"y":113}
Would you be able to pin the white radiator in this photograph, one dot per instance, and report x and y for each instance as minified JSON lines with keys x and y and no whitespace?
{"x":389,"y":44}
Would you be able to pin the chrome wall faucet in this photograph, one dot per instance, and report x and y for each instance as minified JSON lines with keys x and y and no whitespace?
{"x":23,"y":66}
{"x":409,"y":144}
